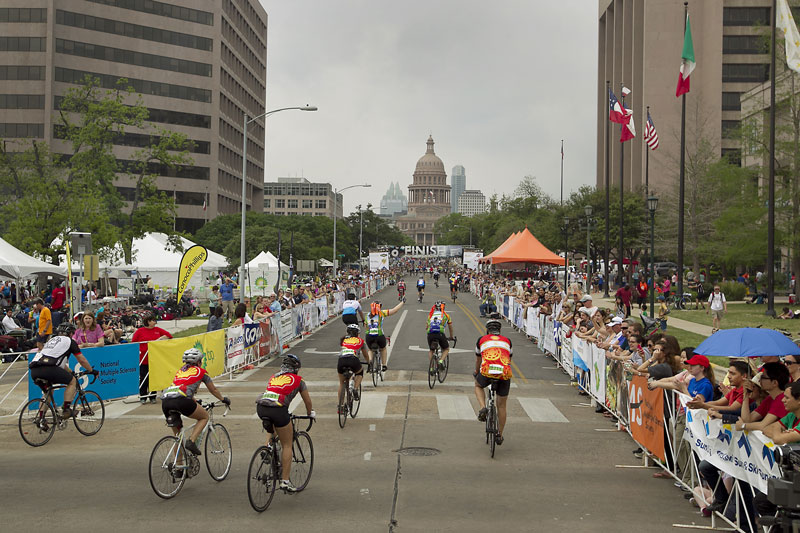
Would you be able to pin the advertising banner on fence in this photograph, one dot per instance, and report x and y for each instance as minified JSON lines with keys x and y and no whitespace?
{"x":308,"y":310}
{"x":519,"y":321}
{"x":578,"y":354}
{"x":166,"y":356}
{"x":597,"y":373}
{"x":252,"y":332}
{"x":566,"y":354}
{"x":234,"y":346}
{"x":265,"y":341}
{"x":286,"y":332}
{"x":646,"y":416}
{"x":533,"y":323}
{"x":119,"y":373}
{"x":746,"y":455}
{"x":322,"y":308}
{"x":471,"y":259}
{"x":378,"y":261}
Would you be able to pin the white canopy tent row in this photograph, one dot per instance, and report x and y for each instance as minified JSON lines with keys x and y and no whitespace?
{"x":261,"y":274}
{"x":16,"y":265}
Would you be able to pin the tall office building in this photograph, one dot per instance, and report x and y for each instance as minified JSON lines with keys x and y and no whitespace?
{"x":471,"y":202}
{"x":298,"y":196}
{"x":640,"y":44}
{"x":458,"y":184}
{"x":394,"y":201}
{"x":199,"y":65}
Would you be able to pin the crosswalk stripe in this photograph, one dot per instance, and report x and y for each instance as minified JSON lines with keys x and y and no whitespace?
{"x":373,"y":405}
{"x":541,"y":410}
{"x":454,"y":407}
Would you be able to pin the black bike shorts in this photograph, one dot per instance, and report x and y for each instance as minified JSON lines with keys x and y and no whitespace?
{"x":349,"y":362}
{"x":440,"y":338}
{"x":55,"y":375}
{"x":503,"y":385}
{"x":181,"y":404}
{"x":376,"y":341}
{"x":272,"y":415}
{"x":350,"y":319}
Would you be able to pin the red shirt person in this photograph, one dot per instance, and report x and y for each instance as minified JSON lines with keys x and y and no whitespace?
{"x":149,"y":332}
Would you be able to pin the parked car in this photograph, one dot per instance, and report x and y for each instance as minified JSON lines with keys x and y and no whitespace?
{"x":664,"y":268}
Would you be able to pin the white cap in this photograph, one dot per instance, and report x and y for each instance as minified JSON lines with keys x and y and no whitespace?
{"x":616,"y":320}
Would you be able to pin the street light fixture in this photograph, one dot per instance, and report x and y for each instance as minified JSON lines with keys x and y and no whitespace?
{"x":566,"y":229}
{"x":335,"y":208}
{"x":652,"y":205}
{"x":588,"y":211}
{"x":465,"y":227}
{"x":244,"y":179}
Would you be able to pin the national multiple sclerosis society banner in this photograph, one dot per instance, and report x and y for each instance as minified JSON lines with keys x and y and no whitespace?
{"x":166,"y":356}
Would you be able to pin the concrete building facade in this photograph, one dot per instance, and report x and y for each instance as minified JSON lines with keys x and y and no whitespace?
{"x":471,"y":202}
{"x":428,"y":198}
{"x":298,"y":196}
{"x":458,"y":182}
{"x":199,"y":66}
{"x":638,"y":42}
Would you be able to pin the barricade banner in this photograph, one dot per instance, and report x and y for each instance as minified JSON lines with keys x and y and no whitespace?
{"x":616,"y":389}
{"x":306,"y":310}
{"x":119,"y":373}
{"x":252,"y":333}
{"x":234,"y":346}
{"x":297,"y":321}
{"x":597,"y":374}
{"x":646,"y":416}
{"x":314,"y":314}
{"x":166,"y":356}
{"x":549,"y":336}
{"x":533,"y":323}
{"x":286,"y":326}
{"x":268,"y":341}
{"x":746,"y":455}
{"x":510,"y":315}
{"x":322,"y":308}
{"x":338,"y":301}
{"x":504,"y":309}
{"x":519,"y":321}
{"x":578,"y":353}
{"x":566,"y":354}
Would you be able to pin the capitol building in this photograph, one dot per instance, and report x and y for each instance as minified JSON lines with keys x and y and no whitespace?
{"x":428,"y":199}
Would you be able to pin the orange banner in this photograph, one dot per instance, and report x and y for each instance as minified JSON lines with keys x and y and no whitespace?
{"x":646,"y":416}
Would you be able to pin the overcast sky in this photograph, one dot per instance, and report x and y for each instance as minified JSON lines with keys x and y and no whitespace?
{"x":497,"y":84}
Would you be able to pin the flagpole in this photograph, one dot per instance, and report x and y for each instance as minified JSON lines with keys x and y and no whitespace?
{"x":646,"y":160}
{"x":562,"y":172}
{"x":608,"y":202}
{"x":771,"y":213}
{"x":682,"y":179}
{"x":621,"y":254}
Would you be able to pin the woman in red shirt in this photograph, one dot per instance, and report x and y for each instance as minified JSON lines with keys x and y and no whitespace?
{"x":148,"y":332}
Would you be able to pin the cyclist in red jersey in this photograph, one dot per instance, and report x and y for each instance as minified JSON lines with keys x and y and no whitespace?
{"x":351,"y":345}
{"x":493,"y":361}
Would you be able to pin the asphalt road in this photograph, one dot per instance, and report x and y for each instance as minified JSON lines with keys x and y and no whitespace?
{"x":556,"y":470}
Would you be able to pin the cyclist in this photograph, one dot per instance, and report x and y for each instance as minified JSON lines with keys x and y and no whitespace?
{"x":351,"y":345}
{"x":350,"y":308}
{"x":436,"y":276}
{"x":421,"y":286}
{"x":51,"y":364}
{"x":437,"y":319}
{"x":180,"y":397}
{"x":273,"y":410}
{"x":401,"y":289}
{"x":493,"y":361}
{"x":375,"y":334}
{"x":453,"y":285}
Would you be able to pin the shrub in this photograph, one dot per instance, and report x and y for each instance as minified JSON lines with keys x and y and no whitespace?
{"x":733,"y":291}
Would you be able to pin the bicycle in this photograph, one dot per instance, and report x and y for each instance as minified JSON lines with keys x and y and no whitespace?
{"x":437,"y":368}
{"x":265,"y":466}
{"x":347,"y":401}
{"x":421,"y":293}
{"x":171,"y":465}
{"x":436,"y":282}
{"x":39,"y":417}
{"x":491,"y":417}
{"x":453,"y":291}
{"x":377,"y":365}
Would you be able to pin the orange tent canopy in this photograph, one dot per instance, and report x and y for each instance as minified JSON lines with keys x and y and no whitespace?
{"x":485,"y":258}
{"x":523,"y":248}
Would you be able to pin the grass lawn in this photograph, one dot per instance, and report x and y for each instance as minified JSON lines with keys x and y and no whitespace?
{"x":197,"y":330}
{"x":740,"y":315}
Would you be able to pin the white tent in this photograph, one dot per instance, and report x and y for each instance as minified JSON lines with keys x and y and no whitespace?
{"x":262,"y":274}
{"x":17,"y":264}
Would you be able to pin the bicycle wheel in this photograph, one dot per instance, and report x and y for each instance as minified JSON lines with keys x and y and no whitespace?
{"x":89,"y":413}
{"x":442,"y":372}
{"x":262,"y":479}
{"x":342,"y":407}
{"x":168,"y":467}
{"x":376,"y":368}
{"x":37,"y":422}
{"x":432,"y":370}
{"x":355,"y":405}
{"x":218,"y":452}
{"x":302,"y":460}
{"x":493,"y":425}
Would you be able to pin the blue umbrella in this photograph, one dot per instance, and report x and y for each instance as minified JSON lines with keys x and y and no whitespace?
{"x":747,"y":342}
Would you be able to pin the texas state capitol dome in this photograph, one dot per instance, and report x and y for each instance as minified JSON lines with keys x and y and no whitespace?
{"x":428,"y":198}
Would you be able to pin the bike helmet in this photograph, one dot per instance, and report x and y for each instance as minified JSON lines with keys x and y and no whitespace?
{"x":66,"y":329}
{"x":192,"y":356}
{"x":439,"y":306}
{"x":291,"y":361}
{"x":353,"y":330}
{"x":493,"y":326}
{"x":375,"y":308}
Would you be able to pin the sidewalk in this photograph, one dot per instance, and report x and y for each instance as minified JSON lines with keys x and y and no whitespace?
{"x":686,"y":325}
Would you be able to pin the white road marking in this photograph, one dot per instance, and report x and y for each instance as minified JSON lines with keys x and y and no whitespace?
{"x":372,"y":427}
{"x":415,"y":348}
{"x":373,"y":405}
{"x":314,"y":350}
{"x":395,"y":334}
{"x":117,"y":409}
{"x":542,"y":410}
{"x":368,"y":456}
{"x":452,"y":407}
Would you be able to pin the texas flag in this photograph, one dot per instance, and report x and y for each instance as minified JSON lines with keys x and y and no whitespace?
{"x":615,"y":111}
{"x":628,"y":130}
{"x":687,"y":61}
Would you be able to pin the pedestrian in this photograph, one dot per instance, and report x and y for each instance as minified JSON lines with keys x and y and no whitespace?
{"x":45,"y":326}
{"x":213,"y":299}
{"x":215,"y":320}
{"x":147,"y":333}
{"x":226,"y":293}
{"x":719,"y":306}
{"x":663,"y":311}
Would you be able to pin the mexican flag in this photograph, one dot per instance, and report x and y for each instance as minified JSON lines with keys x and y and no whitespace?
{"x":687,"y":61}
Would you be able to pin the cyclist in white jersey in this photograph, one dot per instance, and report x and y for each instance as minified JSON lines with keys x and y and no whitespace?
{"x":351,"y":310}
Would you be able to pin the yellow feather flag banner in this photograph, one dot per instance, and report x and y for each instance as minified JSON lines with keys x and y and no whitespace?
{"x":166,"y":356}
{"x":69,"y":280}
{"x":190,"y":262}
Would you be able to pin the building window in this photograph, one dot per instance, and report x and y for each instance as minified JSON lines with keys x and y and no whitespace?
{"x":147,"y":33}
{"x":291,"y":204}
{"x":8,"y":129}
{"x":729,"y":128}
{"x":178,"y":171}
{"x":131,"y":57}
{"x":743,"y":44}
{"x":321,"y":204}
{"x":23,"y":14}
{"x":279,"y":213}
{"x":107,"y":81}
{"x":267,"y":203}
{"x":744,"y":72}
{"x":745,"y":16}
{"x":280,"y":203}
{"x":162,"y":9}
{"x":21,"y":101}
{"x":14,"y":72}
{"x":733,"y":155}
{"x":306,"y":204}
{"x":731,"y":102}
{"x":23,"y":44}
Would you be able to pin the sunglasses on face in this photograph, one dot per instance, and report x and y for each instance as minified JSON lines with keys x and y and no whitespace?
{"x":790,"y":363}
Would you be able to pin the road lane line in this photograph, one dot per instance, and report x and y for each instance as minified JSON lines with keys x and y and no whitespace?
{"x":372,"y":427}
{"x":368,"y":456}
{"x":541,"y":410}
{"x":395,"y":333}
{"x":452,"y":407}
{"x":373,"y":405}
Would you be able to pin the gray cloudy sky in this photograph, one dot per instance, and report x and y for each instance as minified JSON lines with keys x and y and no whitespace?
{"x":498,"y":84}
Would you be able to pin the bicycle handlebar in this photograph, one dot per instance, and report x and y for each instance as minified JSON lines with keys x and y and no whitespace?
{"x":305,"y":417}
{"x":208,"y":406}
{"x":93,"y":373}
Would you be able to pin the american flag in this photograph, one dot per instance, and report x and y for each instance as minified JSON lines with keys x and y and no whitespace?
{"x":650,"y":133}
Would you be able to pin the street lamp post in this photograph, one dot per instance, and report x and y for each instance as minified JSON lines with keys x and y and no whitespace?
{"x":360,"y":235}
{"x":652,"y":205}
{"x":588,"y":211}
{"x":335,"y":208}
{"x":244,"y":178}
{"x":566,"y":229}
